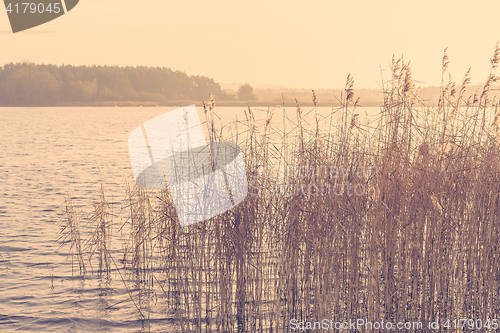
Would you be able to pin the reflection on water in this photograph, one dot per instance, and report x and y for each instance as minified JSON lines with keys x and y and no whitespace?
{"x":46,"y":154}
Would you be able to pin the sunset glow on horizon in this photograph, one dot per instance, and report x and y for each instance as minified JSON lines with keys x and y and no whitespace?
{"x":290,"y":43}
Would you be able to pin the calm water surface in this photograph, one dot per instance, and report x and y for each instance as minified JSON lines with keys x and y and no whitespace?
{"x":46,"y":154}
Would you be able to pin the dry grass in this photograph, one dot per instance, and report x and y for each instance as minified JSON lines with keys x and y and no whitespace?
{"x":420,"y":244}
{"x":70,"y":234}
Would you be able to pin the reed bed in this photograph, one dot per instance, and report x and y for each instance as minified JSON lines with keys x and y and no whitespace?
{"x":413,"y":237}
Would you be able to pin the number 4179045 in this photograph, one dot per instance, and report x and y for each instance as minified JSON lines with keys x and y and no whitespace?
{"x":34,"y":8}
{"x":478,"y":324}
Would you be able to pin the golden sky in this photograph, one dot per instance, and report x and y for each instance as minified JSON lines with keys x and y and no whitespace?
{"x":311,"y":44}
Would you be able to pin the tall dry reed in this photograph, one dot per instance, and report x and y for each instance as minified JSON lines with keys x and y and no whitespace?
{"x":418,"y":244}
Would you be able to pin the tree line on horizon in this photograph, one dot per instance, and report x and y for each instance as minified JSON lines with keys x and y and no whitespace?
{"x":29,"y":84}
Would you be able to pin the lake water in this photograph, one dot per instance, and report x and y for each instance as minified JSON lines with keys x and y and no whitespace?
{"x":46,"y":154}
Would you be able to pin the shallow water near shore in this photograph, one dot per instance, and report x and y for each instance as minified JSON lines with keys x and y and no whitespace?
{"x":46,"y":154}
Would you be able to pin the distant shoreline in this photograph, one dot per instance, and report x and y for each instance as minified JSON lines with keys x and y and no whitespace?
{"x":179,"y":103}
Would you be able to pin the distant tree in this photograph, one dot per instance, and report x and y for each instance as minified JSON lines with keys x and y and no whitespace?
{"x":224,"y":95}
{"x":30,"y":84}
{"x":82,"y":91}
{"x":245,"y":93}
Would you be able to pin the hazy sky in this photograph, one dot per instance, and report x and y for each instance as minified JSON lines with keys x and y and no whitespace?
{"x":310,"y":44}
